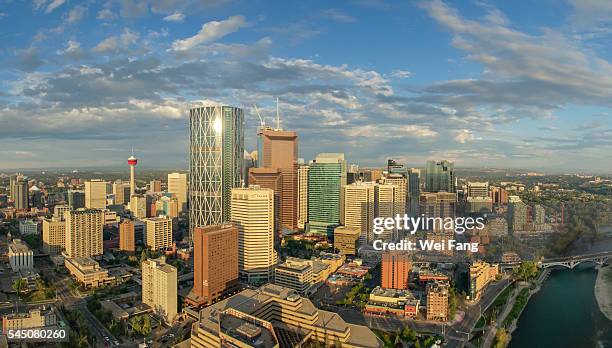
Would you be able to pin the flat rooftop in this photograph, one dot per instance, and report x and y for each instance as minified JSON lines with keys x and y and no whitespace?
{"x":18,"y":246}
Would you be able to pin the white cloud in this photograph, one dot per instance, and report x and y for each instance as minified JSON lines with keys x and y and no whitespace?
{"x":591,"y":12}
{"x":73,"y":50}
{"x":464,"y":135}
{"x":114,"y":43}
{"x":367,"y":79}
{"x":338,"y":16}
{"x":211,"y":32}
{"x":53,"y":5}
{"x":386,"y":131}
{"x":76,"y":14}
{"x":525,"y":75}
{"x":401,"y":74}
{"x":175,"y":17}
{"x":105,"y":13}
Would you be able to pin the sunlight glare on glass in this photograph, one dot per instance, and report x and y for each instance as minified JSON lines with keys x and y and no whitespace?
{"x":218,"y":125}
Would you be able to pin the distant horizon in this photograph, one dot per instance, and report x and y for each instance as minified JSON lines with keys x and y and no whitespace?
{"x":173,"y":168}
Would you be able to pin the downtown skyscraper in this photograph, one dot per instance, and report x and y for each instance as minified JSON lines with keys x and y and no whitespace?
{"x":326,"y":177}
{"x":216,"y":162}
{"x":440,"y":176}
{"x":277,"y":170}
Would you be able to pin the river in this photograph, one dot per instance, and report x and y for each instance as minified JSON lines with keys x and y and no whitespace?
{"x":564,"y":314}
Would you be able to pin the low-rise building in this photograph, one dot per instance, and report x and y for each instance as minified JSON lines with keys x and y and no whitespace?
{"x":401,"y":303}
{"x":427,"y":275}
{"x":21,"y":257}
{"x":35,"y":318}
{"x":294,"y":273}
{"x":28,"y":227}
{"x":277,"y":309}
{"x":510,"y":257}
{"x":88,"y":272}
{"x":346,"y":239}
{"x":334,"y":261}
{"x":481,"y":274}
{"x":353,"y":270}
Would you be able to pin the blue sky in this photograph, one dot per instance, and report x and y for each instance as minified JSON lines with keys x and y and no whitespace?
{"x":521,"y":84}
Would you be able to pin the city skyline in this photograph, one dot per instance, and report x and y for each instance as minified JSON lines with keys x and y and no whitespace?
{"x":474,"y":83}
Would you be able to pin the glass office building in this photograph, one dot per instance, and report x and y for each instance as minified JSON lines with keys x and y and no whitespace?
{"x":216,"y":162}
{"x":326,"y":176}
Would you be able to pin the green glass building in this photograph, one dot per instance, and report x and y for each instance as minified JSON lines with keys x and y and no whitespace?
{"x":326,"y":176}
{"x":440,"y":176}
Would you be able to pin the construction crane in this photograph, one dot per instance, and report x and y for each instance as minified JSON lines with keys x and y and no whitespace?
{"x":262,"y":123}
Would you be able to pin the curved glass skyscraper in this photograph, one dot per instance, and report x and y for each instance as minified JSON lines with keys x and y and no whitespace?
{"x":216,"y":162}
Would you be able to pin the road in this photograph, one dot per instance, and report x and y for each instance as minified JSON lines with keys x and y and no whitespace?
{"x":72,"y":302}
{"x":490,"y":335}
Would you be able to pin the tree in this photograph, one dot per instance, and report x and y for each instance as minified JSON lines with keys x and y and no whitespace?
{"x":143,"y":256}
{"x":19,"y":285}
{"x":146,"y":325}
{"x":501,"y":338}
{"x":526,"y":270}
{"x":452,"y":302}
{"x":141,"y":325}
{"x":408,"y":335}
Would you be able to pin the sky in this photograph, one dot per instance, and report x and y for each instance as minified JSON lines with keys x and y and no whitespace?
{"x":506,"y":84}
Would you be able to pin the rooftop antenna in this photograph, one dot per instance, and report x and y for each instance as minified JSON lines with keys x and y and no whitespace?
{"x":277,"y":116}
{"x":261,"y":121}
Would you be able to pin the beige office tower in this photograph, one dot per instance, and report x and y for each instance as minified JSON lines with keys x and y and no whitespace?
{"x":159,"y":232}
{"x":95,"y":194}
{"x":253,"y":215}
{"x":159,"y":288}
{"x":478,"y":189}
{"x":177,"y":184}
{"x":54,"y":235}
{"x":401,"y":193}
{"x":358,"y":210}
{"x":84,"y":232}
{"x":302,"y":196}
{"x":138,"y":206}
{"x":385,"y":206}
{"x":121,"y":190}
{"x":60,"y":210}
{"x":155,"y":185}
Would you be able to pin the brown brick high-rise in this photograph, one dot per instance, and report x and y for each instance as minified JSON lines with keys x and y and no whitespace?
{"x":215,"y":263}
{"x":126,"y":236}
{"x":395,"y":270}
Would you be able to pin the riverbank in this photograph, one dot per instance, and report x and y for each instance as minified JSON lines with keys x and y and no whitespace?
{"x":603,"y":291}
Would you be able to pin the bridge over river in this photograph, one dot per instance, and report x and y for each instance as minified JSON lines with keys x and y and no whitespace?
{"x":572,"y":261}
